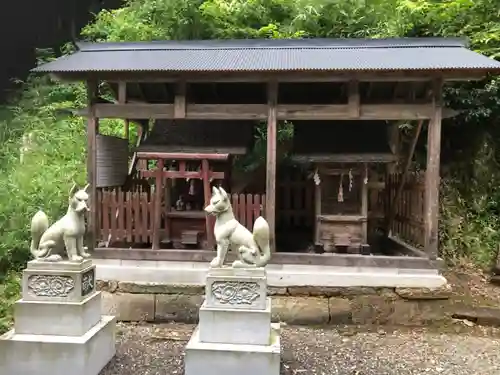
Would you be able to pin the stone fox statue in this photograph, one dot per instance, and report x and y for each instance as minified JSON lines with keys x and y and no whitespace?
{"x":49,"y":243}
{"x":253,"y":248}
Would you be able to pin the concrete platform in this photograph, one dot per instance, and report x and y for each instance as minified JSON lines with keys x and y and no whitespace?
{"x":286,"y":275}
{"x":23,"y":354}
{"x":230,"y":359}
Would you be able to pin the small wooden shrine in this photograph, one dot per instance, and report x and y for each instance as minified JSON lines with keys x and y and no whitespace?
{"x":340,"y":162}
{"x":344,"y":97}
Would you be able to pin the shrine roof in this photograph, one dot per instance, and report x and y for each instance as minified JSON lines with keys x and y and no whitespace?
{"x":274,"y":55}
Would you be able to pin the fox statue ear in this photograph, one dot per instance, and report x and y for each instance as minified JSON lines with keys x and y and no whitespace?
{"x":223,"y":193}
{"x":214,"y":190}
{"x":73,"y":189}
{"x":86,"y":187}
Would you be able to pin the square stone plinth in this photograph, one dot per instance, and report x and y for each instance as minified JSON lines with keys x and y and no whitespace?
{"x":235,"y":326}
{"x":236,"y":288}
{"x":58,"y":355}
{"x":232,"y":359}
{"x":57,"y":318}
{"x":58,"y":281}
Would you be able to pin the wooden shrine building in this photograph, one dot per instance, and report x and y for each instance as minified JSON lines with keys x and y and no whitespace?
{"x":197,"y":106}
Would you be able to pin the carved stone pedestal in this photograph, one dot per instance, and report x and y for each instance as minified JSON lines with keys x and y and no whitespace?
{"x":235,"y":334}
{"x":58,"y":327}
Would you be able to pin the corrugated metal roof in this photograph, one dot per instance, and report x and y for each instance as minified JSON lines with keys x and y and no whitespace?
{"x":273,"y":55}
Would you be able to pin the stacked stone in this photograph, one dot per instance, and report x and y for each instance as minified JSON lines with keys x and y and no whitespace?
{"x":235,"y":334}
{"x":58,"y":326}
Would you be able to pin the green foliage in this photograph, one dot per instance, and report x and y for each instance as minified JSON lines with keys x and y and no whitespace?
{"x":10,"y":291}
{"x":56,"y":155}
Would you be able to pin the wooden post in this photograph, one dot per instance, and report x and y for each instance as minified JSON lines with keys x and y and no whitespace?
{"x":354,"y":99}
{"x":317,"y":213}
{"x":272,"y":98}
{"x":205,"y":169}
{"x":432,"y":179}
{"x":122,"y":99}
{"x":180,"y":100}
{"x":92,"y":131}
{"x":364,"y":204}
{"x":157,"y":204}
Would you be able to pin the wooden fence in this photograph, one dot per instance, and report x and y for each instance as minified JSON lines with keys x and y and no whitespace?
{"x":127,"y":216}
{"x":294,"y":200}
{"x":408,"y":224}
{"x":248,"y":207}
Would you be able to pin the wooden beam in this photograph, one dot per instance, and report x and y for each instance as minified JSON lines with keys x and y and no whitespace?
{"x":327,"y":259}
{"x":432,"y":179}
{"x":158,"y":173}
{"x":183,"y":174}
{"x":264,"y":77}
{"x":259,"y":111}
{"x":181,"y":156}
{"x":272,"y":98}
{"x":406,"y":168}
{"x":180,"y":100}
{"x":92,"y":131}
{"x":344,"y":158}
{"x":406,"y":248}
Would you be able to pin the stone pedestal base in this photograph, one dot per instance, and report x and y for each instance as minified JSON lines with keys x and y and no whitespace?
{"x":233,"y":359}
{"x":24,"y":354}
{"x":235,"y":326}
{"x":235,"y":335}
{"x":58,"y":327}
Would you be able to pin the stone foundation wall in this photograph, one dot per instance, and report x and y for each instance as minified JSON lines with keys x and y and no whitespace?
{"x":293,"y":305}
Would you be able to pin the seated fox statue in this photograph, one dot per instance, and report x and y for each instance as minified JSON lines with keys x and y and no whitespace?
{"x":253,"y":248}
{"x":65,"y":235}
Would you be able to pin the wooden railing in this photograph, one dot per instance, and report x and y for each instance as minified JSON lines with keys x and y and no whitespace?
{"x":127,"y":216}
{"x":408,"y":223}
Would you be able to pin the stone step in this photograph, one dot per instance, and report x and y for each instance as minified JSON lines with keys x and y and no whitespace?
{"x":57,"y":318}
{"x":235,"y":326}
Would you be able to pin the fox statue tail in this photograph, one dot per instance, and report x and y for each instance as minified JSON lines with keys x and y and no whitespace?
{"x":39,"y":224}
{"x":261,"y":237}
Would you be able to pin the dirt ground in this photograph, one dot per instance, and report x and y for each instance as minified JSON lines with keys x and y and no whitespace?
{"x":158,"y":350}
{"x":463,"y":348}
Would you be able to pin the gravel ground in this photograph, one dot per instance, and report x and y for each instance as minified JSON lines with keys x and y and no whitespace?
{"x":158,"y":349}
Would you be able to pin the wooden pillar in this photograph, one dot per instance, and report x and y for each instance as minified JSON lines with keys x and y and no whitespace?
{"x":317,"y":213}
{"x":180,"y":100}
{"x":157,"y":204}
{"x":122,"y":99}
{"x":432,"y":179}
{"x":364,"y":204}
{"x":92,"y":131}
{"x":272,"y":98}
{"x":205,"y":169}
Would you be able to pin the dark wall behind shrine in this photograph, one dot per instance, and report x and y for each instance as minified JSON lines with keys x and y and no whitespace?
{"x":29,"y":24}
